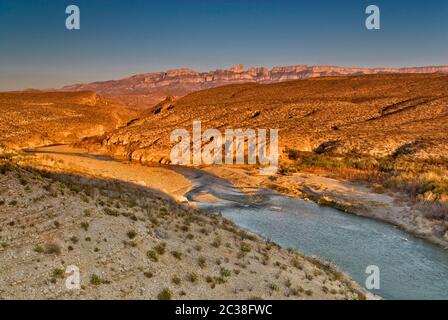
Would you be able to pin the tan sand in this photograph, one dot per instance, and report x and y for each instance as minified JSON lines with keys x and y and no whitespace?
{"x":158,"y":178}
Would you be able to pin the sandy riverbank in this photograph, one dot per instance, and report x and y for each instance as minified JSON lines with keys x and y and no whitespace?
{"x":346,"y":196}
{"x":159,"y":178}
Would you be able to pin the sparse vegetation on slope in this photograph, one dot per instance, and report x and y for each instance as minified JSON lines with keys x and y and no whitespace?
{"x":36,"y":250}
{"x":377,"y":115}
{"x":40,"y":118}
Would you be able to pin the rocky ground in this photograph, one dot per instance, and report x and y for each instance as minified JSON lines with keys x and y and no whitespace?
{"x":378,"y":115}
{"x":127,"y":227}
{"x":141,"y":91}
{"x":388,"y":129}
{"x":134,"y":242}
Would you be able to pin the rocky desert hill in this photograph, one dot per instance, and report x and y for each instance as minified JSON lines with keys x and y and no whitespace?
{"x":377,"y":115}
{"x":40,"y":118}
{"x":141,"y":90}
{"x":132,"y":242}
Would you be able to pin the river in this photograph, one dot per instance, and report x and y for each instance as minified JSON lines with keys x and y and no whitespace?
{"x":410,"y":268}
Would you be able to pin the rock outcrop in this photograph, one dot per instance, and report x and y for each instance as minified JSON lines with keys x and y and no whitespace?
{"x":370,"y":114}
{"x":145,"y":89}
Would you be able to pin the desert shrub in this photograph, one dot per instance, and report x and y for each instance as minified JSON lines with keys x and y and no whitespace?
{"x":131,"y":234}
{"x":274,"y":287}
{"x":177,"y":255}
{"x":160,"y":248}
{"x":95,"y":279}
{"x":192,"y":277}
{"x":176,"y":280}
{"x":74,"y":239}
{"x":293,"y":154}
{"x":111,"y":212}
{"x":246,"y":236}
{"x":297,"y":264}
{"x":225,"y":272}
{"x":165,"y":294}
{"x":57,"y":273}
{"x":85,"y":225}
{"x":152,"y":255}
{"x":52,"y":248}
{"x":201,"y":262}
{"x":245,"y":247}
{"x":217,"y":242}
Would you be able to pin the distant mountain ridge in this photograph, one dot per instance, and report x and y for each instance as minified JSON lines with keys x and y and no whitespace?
{"x":149,"y":88}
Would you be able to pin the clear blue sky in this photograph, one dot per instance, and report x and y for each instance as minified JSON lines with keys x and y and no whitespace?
{"x":120,"y":38}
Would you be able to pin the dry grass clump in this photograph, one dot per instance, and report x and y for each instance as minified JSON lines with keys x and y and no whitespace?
{"x":424,"y":181}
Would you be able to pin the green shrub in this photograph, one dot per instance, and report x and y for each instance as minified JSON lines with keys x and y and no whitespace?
{"x":95,"y":280}
{"x":165,"y":294}
{"x":57,"y":273}
{"x":245,"y":247}
{"x":38,"y":249}
{"x":152,"y":255}
{"x":225,"y":272}
{"x":274,"y":287}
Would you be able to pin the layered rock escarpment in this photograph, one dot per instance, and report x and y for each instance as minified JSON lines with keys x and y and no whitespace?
{"x":145,"y":89}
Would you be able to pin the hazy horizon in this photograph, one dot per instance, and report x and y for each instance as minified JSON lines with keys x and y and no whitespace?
{"x":117,"y":40}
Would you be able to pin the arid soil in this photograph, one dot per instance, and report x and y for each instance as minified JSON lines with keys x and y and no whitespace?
{"x":388,"y":129}
{"x":128,"y":227}
{"x":40,"y":118}
{"x":64,"y":158}
{"x":130,"y":241}
{"x":378,"y":115}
